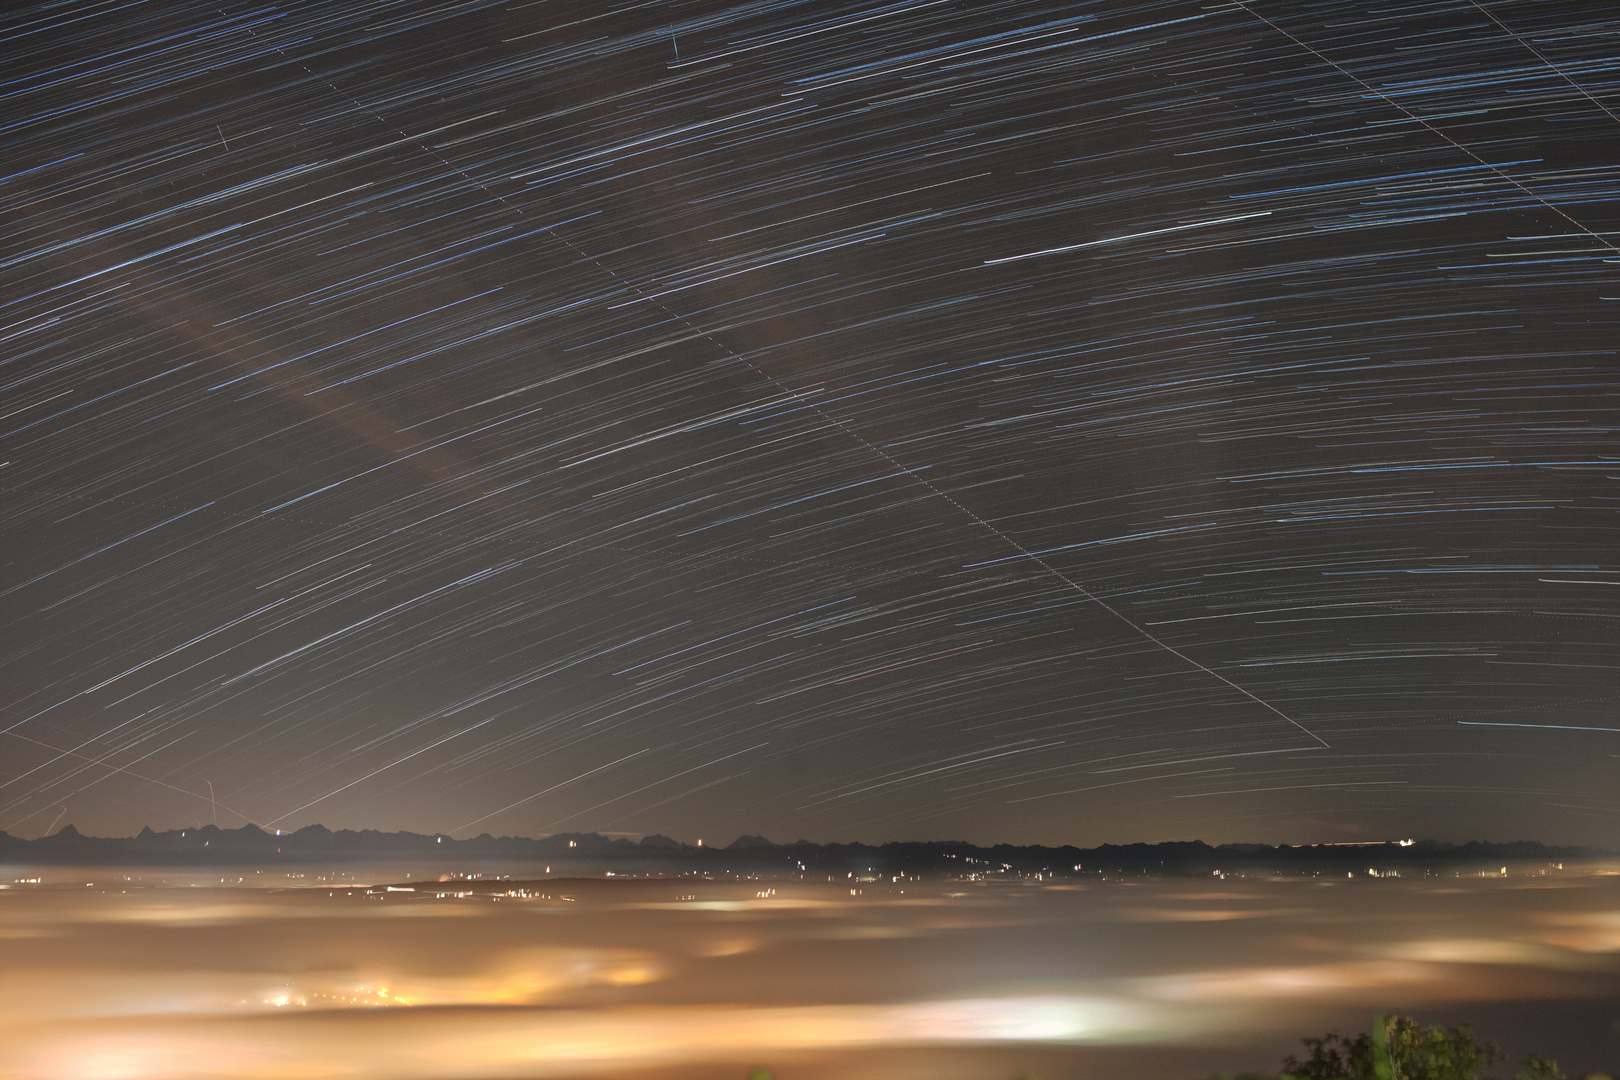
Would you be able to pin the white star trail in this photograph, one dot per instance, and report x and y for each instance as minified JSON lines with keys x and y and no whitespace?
{"x":780,"y":417}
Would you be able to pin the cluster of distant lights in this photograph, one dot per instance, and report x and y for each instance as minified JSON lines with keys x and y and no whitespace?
{"x":871,"y":875}
{"x":361,"y":997}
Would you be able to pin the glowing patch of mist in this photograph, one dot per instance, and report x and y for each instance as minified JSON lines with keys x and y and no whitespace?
{"x":1489,"y":951}
{"x":1585,"y":931}
{"x":1197,"y":915}
{"x":785,"y":903}
{"x":519,"y":977}
{"x":441,"y":1045}
{"x":328,"y":981}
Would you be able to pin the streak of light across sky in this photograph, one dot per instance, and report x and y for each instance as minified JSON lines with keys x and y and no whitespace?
{"x":850,"y":421}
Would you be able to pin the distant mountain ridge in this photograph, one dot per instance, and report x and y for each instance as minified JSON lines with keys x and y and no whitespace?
{"x":211,"y":845}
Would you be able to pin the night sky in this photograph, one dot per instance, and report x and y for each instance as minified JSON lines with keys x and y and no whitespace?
{"x":1001,"y":421}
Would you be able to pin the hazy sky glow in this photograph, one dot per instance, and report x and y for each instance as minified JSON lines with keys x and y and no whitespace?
{"x":1003,"y":421}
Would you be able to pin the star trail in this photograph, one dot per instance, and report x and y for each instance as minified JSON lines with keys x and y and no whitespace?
{"x":998,"y":420}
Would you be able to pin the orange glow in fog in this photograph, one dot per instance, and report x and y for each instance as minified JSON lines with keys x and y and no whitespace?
{"x":568,"y":978}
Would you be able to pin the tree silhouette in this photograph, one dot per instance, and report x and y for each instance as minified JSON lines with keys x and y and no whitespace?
{"x":1399,"y":1048}
{"x":1536,"y":1068}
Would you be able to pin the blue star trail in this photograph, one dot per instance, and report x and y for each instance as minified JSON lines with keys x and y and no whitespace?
{"x":849,"y":421}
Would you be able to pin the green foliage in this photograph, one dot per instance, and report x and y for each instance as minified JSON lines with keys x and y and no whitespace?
{"x":1399,"y":1048}
{"x":1540,"y":1069}
{"x":1431,"y":1053}
{"x":1333,"y":1057}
